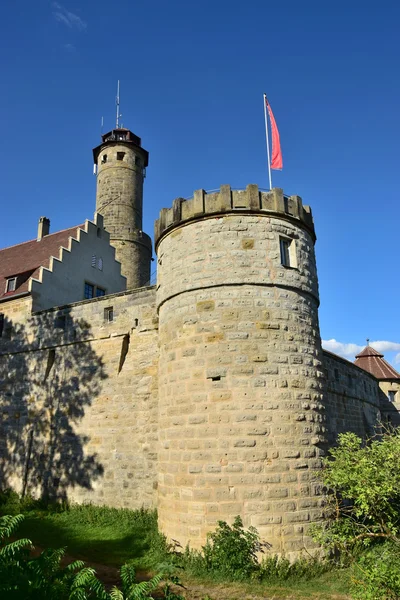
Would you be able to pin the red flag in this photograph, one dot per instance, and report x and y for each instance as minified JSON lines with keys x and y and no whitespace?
{"x":276,"y":158}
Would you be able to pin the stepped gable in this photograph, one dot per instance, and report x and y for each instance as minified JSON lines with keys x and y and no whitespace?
{"x":372,"y":361}
{"x":24,"y":260}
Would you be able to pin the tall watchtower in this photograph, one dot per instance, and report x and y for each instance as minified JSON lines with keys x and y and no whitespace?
{"x":121,"y":162}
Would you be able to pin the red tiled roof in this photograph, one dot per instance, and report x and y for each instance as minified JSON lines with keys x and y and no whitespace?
{"x":24,"y":260}
{"x":372,"y":361}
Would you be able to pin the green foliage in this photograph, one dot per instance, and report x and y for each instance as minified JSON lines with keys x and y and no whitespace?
{"x":365,"y":484}
{"x":102,"y":534}
{"x":376,"y":574}
{"x":231,"y":553}
{"x":13,"y":504}
{"x":25,"y":578}
{"x":363,"y":512}
{"x":276,"y":569}
{"x":232,"y":550}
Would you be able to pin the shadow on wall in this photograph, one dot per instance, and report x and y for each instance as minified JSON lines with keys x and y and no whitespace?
{"x":49,"y":376}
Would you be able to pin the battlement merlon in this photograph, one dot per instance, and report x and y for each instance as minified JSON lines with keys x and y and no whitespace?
{"x":251,"y":200}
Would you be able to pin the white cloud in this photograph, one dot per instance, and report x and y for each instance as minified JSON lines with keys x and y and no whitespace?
{"x":397,"y":359}
{"x":69,"y":48}
{"x":71,"y":20}
{"x":346,"y":350}
{"x":349,"y":350}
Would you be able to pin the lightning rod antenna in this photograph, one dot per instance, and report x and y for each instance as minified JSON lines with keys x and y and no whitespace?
{"x":117,"y":103}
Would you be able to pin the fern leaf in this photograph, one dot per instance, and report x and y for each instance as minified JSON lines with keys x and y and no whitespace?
{"x":12,"y":549}
{"x":116,"y":594}
{"x":8,"y":525}
{"x":74,"y":566}
{"x":82,"y":578}
{"x":128,"y":576}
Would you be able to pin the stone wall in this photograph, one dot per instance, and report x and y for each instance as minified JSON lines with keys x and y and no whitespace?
{"x":78,"y":395}
{"x":352,"y":399}
{"x":228,"y":407}
{"x":119,"y":199}
{"x":240,"y":397}
{"x":390,"y":408}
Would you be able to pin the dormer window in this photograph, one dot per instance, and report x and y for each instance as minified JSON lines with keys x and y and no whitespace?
{"x":11,"y":284}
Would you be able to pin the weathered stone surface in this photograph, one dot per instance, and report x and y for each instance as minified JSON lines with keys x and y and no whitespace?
{"x":119,"y":199}
{"x":226,"y":410}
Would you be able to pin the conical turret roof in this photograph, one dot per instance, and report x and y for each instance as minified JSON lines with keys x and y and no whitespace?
{"x":372,"y":361}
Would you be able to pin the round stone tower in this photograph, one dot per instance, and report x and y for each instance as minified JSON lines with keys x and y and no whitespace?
{"x":240,"y":376}
{"x":121,"y":162}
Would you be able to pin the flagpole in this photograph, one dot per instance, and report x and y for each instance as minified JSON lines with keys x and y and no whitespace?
{"x":267,"y":138}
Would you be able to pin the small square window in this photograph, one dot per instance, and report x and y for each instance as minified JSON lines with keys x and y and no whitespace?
{"x":109,"y":314}
{"x":89,"y":291}
{"x":288,"y":252}
{"x":11,"y":284}
{"x":100,"y":292}
{"x":392,"y":396}
{"x":285,"y":254}
{"x":137,"y":160}
{"x":104,"y":159}
{"x":120,"y":155}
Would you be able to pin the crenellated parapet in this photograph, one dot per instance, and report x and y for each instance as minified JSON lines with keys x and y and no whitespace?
{"x":250,"y":200}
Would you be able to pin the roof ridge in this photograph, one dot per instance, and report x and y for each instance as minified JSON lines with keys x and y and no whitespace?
{"x":80,"y":226}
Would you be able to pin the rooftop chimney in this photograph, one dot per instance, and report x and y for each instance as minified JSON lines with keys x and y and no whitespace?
{"x":43,"y":228}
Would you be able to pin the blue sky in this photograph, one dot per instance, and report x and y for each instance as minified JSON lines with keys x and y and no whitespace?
{"x":192,"y":78}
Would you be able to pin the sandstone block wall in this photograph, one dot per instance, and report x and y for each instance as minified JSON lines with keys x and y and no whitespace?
{"x":352,"y":399}
{"x":241,"y":417}
{"x":228,"y":407}
{"x":119,"y":199}
{"x":78,"y":397}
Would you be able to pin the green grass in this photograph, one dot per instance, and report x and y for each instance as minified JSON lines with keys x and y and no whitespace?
{"x":330,"y":586}
{"x":112,"y":537}
{"x":97,"y":534}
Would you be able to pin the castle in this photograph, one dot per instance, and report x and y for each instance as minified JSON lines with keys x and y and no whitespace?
{"x":207,"y":395}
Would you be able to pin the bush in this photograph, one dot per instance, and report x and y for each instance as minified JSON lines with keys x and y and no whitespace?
{"x":43,"y":578}
{"x":13,"y":504}
{"x":376,"y":573}
{"x":232,"y":551}
{"x":363,"y":512}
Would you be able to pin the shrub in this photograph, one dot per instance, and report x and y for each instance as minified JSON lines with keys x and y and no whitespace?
{"x":376,"y":573}
{"x":363,"y":512}
{"x":43,"y":578}
{"x":12,"y":503}
{"x":232,"y":551}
